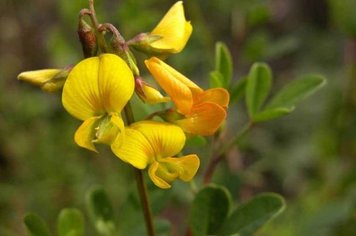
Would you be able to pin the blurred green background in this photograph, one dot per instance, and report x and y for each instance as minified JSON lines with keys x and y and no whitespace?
{"x":309,"y":156}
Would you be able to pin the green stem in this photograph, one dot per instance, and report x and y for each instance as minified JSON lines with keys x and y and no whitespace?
{"x":221,"y":153}
{"x":236,"y":139}
{"x":141,"y":186}
{"x":129,"y":114}
{"x":99,"y":35}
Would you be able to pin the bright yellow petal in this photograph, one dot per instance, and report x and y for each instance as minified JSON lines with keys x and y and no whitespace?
{"x":186,"y":166}
{"x":165,"y":139}
{"x":204,"y":119}
{"x":219,"y":96}
{"x":116,"y":82}
{"x":85,"y":134}
{"x":178,"y":76}
{"x":117,"y":120}
{"x":165,"y":171}
{"x":173,"y":83}
{"x":135,"y":150}
{"x":174,"y":29}
{"x":153,"y":173}
{"x":80,"y":95}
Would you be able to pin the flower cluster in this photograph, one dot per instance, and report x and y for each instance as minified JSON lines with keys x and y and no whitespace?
{"x":99,"y":88}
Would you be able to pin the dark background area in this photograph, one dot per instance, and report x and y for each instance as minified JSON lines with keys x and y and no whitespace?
{"x":308,"y":156}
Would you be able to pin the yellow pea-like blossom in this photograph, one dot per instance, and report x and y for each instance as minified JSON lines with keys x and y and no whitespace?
{"x":169,"y":36}
{"x":96,"y":91}
{"x":154,"y":144}
{"x":174,"y":30}
{"x":203,"y":111}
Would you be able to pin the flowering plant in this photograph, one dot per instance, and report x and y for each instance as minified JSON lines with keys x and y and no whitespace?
{"x":99,"y":90}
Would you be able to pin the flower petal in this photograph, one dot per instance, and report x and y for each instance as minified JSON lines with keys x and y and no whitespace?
{"x":204,"y":119}
{"x":85,"y":134}
{"x":80,"y":95}
{"x":154,"y":176}
{"x":165,"y":139}
{"x":136,"y":149}
{"x":186,"y":166}
{"x":176,"y":85}
{"x":174,"y":73}
{"x":115,"y":81}
{"x":174,"y":29}
{"x":117,"y":120}
{"x":165,"y":171}
{"x":219,"y":96}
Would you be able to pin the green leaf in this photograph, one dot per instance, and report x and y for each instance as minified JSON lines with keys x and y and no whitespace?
{"x":209,"y":210}
{"x":250,"y":216}
{"x":223,"y":63}
{"x":238,"y":91}
{"x":272,"y":113}
{"x":258,"y":86}
{"x":70,"y":223}
{"x":100,"y":211}
{"x":35,"y":225}
{"x":297,"y":90}
{"x":216,"y":79}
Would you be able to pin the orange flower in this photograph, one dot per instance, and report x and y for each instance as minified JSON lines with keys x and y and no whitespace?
{"x":202,"y":111}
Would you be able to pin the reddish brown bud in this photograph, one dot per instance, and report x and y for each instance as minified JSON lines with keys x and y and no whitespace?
{"x":87,"y":38}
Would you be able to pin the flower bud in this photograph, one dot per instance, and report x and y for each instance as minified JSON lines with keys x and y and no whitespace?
{"x":148,"y":94}
{"x":50,"y":80}
{"x":87,"y":38}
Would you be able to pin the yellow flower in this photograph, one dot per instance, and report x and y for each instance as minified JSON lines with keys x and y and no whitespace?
{"x":155,"y":143}
{"x":174,"y":30}
{"x":203,"y":111}
{"x":50,"y":80}
{"x":169,"y":36}
{"x":96,"y":91}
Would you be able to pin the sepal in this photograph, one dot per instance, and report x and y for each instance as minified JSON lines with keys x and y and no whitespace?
{"x":87,"y":38}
